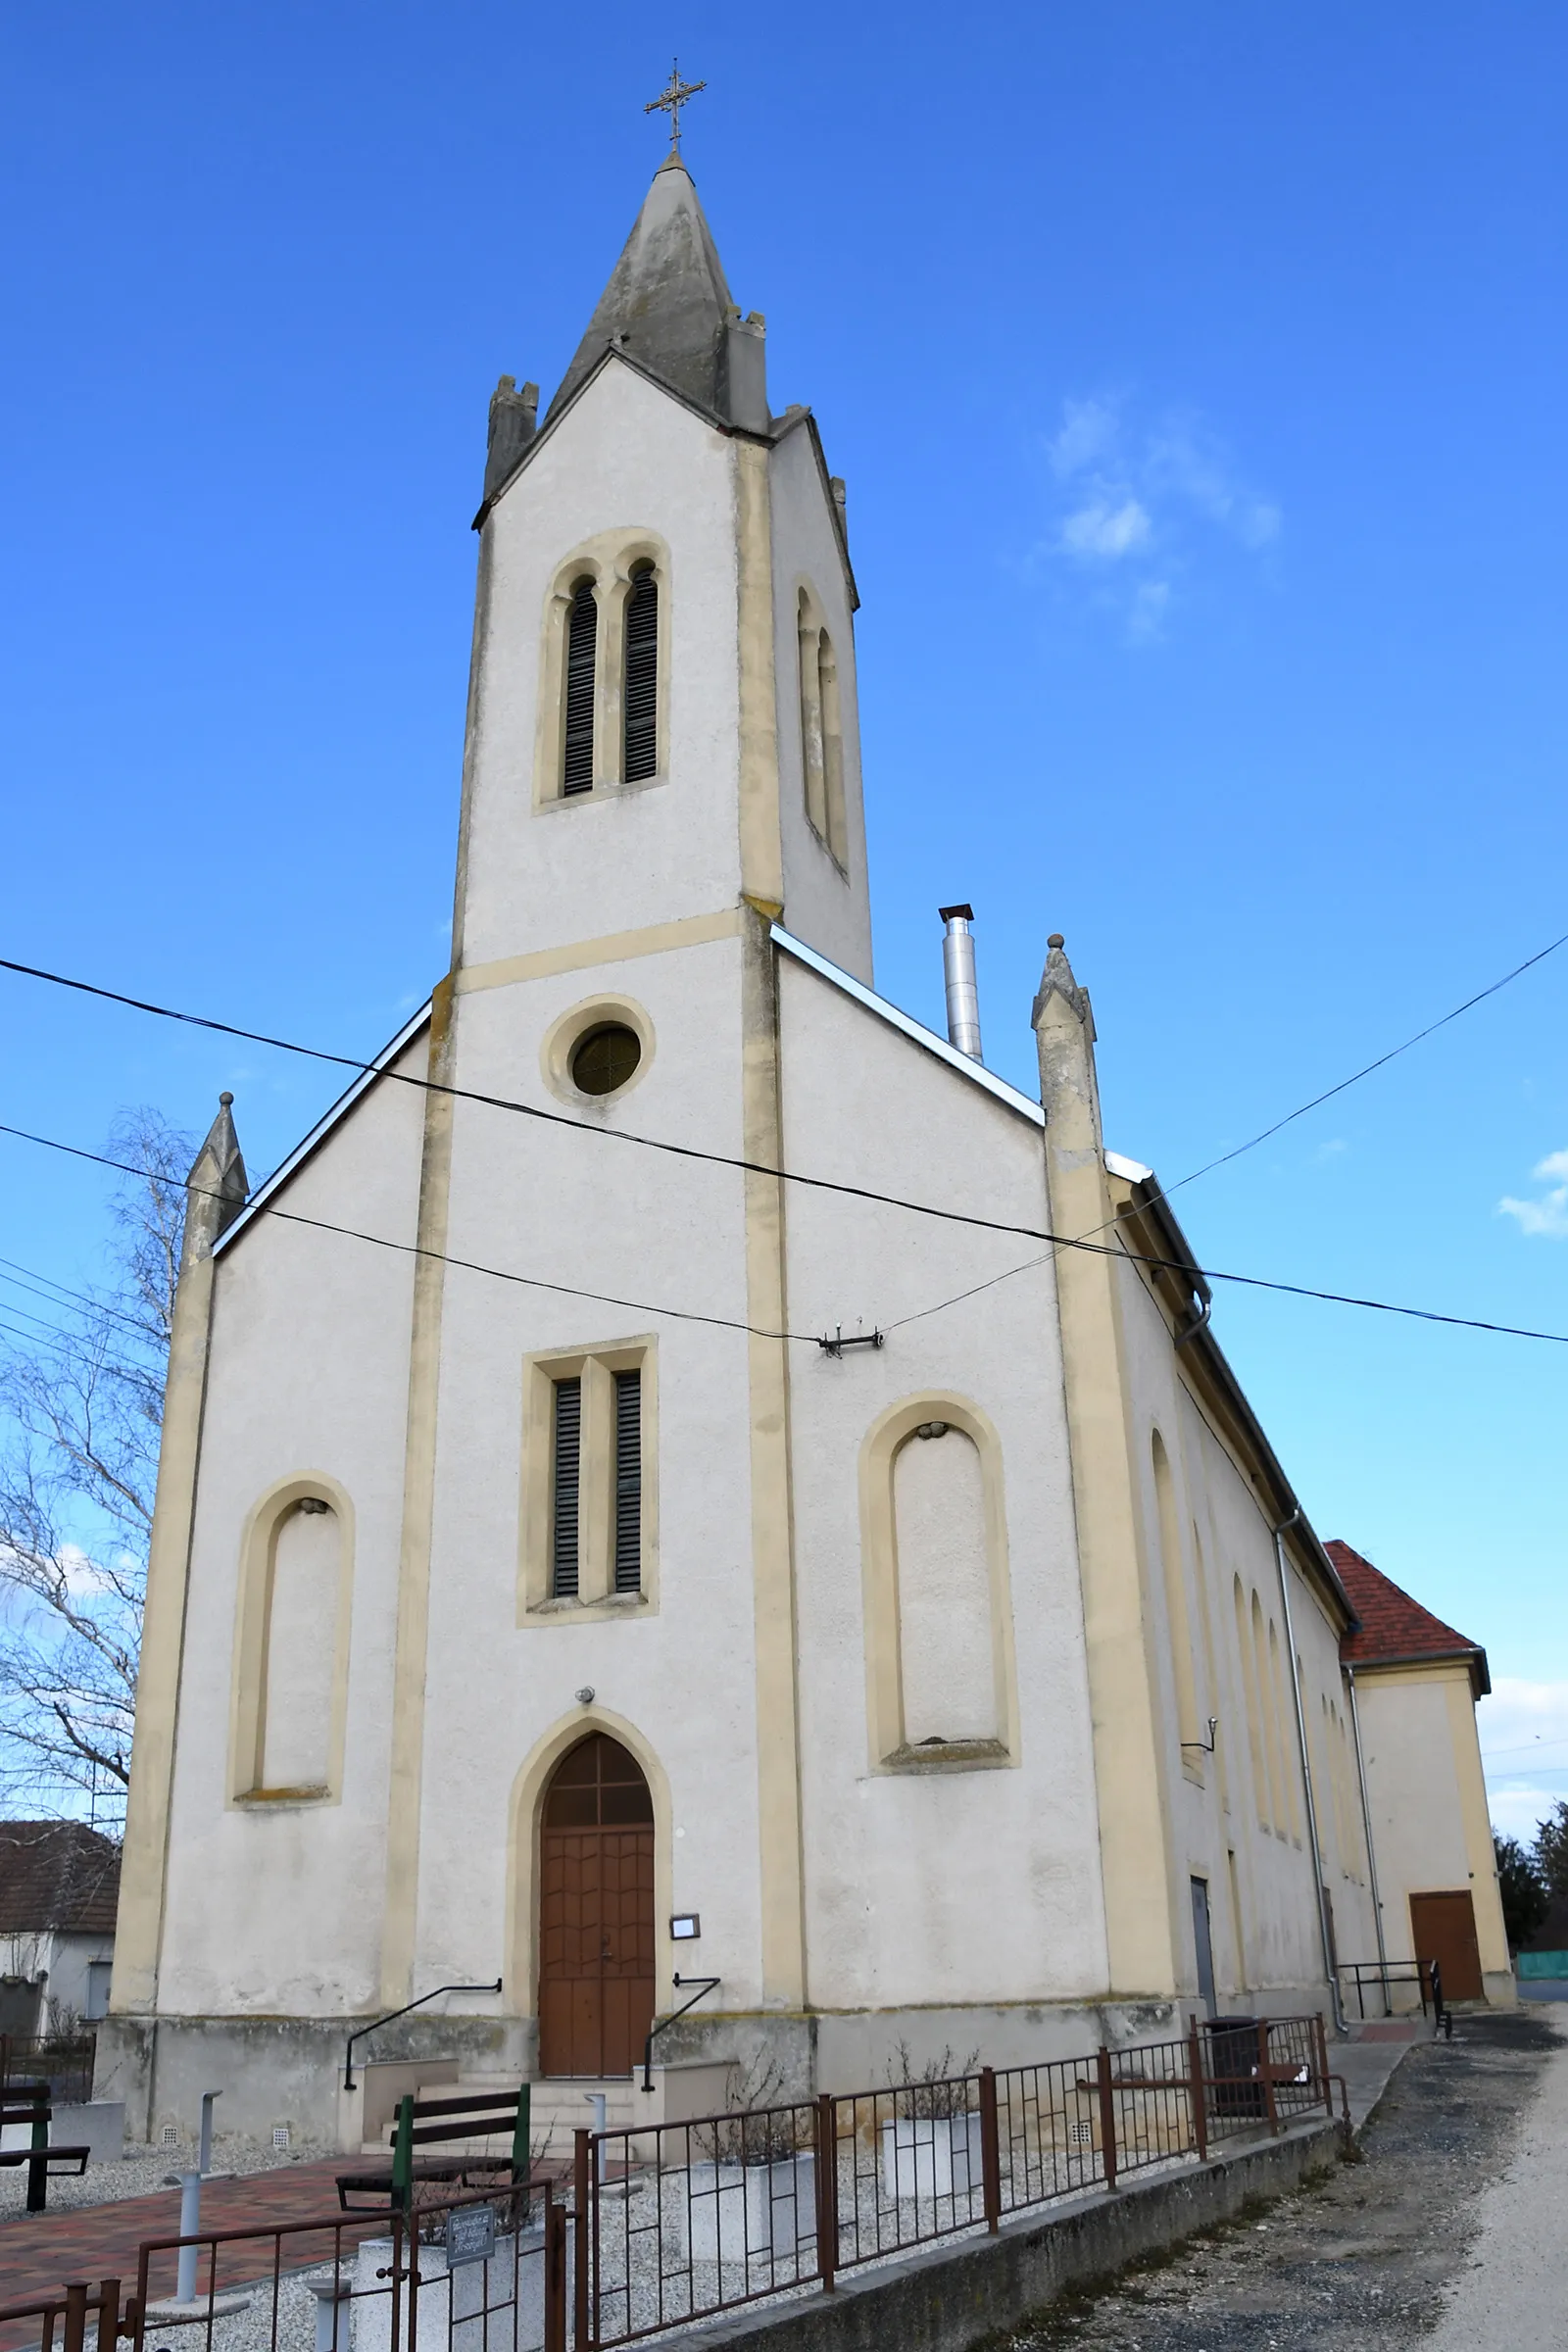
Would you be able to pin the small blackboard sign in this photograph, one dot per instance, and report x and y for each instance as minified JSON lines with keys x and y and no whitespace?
{"x":471,"y":2234}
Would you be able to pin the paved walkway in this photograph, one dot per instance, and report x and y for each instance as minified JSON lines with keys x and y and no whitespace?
{"x":40,"y":2252}
{"x":1447,"y":2236}
{"x":1514,"y":2289}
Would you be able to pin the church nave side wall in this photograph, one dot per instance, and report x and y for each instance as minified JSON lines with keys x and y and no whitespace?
{"x":969,"y":1884}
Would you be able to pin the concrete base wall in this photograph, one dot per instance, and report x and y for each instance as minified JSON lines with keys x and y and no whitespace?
{"x":952,"y":2299}
{"x":281,"y":2070}
{"x":289,"y":2070}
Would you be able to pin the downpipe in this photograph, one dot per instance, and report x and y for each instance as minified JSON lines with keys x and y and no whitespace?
{"x":1331,"y":1973}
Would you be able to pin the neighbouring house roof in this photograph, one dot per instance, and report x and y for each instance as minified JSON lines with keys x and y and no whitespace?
{"x":1393,"y":1629}
{"x":57,"y":1874}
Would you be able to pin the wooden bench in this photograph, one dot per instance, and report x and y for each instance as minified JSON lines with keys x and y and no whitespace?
{"x":29,"y":2103}
{"x":437,"y":2123}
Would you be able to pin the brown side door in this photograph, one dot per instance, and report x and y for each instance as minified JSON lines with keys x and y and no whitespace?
{"x":1445,"y":1929}
{"x":596,"y":1920}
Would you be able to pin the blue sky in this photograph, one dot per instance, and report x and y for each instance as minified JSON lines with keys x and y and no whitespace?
{"x":1198,"y":374}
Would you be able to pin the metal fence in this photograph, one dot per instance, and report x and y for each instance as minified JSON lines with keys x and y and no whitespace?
{"x":467,"y":2271}
{"x":684,"y":2221}
{"x":670,"y":2223}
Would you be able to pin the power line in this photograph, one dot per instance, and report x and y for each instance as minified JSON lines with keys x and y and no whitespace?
{"x":1356,"y":1076}
{"x":793,"y":1176}
{"x":60,"y":1293}
{"x":1253,"y":1282}
{"x":445,"y":1257}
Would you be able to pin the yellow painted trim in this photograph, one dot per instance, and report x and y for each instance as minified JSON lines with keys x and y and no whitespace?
{"x":617,"y":946}
{"x":144,"y":1862}
{"x":761,"y":841}
{"x":1137,"y":1867}
{"x":1475,"y":1816}
{"x":778,"y":1764}
{"x":247,"y":1705}
{"x":536,"y":1605}
{"x":520,"y":1960}
{"x":879,"y":1571}
{"x":400,"y":1923}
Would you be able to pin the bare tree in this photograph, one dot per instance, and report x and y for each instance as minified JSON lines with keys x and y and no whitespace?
{"x":79,"y":1465}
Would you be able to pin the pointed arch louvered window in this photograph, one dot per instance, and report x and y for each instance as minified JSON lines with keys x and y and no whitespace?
{"x":582,"y":638}
{"x":642,"y":677}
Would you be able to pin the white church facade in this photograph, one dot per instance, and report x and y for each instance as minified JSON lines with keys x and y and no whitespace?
{"x":535,"y":1600}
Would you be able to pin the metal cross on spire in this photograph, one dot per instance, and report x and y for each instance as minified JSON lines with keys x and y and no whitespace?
{"x":672,"y":98}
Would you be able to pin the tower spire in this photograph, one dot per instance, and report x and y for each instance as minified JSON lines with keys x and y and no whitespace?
{"x":668,"y":308}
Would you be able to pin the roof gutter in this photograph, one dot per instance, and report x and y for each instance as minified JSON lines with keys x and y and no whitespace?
{"x":1325,"y":1933}
{"x":1366,"y":1822}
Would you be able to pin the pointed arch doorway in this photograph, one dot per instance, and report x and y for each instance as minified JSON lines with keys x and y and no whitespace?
{"x":596,"y":1912}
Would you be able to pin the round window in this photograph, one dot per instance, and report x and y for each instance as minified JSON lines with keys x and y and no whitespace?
{"x":605,"y":1059}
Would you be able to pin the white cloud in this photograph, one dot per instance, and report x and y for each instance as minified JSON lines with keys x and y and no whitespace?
{"x":1549,"y":1214}
{"x":1106,"y":528}
{"x":1147,"y":619}
{"x":1331,"y":1147}
{"x":1089,"y":431}
{"x":1135,"y":497}
{"x":82,"y":1575}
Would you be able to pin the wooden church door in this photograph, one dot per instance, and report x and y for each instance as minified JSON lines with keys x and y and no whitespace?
{"x":596,"y":1913}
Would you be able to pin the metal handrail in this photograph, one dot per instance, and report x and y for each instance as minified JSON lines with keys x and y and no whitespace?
{"x":702,"y":1984}
{"x":375,"y":2023}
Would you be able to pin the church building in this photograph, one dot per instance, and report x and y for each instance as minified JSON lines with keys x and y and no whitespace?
{"x":685,"y":1474}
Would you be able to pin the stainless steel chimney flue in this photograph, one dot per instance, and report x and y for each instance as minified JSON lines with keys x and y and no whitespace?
{"x":958,"y":971}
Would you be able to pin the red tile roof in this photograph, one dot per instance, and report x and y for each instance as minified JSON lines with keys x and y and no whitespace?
{"x":57,"y":1874}
{"x":1393,"y":1629}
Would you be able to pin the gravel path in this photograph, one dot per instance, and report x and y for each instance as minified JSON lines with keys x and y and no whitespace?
{"x":1453,"y":2222}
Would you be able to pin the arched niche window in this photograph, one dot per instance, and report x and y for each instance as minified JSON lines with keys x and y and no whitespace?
{"x":291,"y":1669}
{"x":821,"y":732}
{"x":579,"y":691}
{"x":640,"y":705}
{"x":1255,"y":1722}
{"x":938,"y":1613}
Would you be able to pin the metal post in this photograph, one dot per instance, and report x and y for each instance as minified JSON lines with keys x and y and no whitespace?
{"x":204,"y":2155}
{"x":1323,"y":2064}
{"x":598,"y":2101}
{"x":1265,"y":2076}
{"x":826,"y":2136}
{"x":191,"y":2222}
{"x":38,"y":2142}
{"x":76,"y":2316}
{"x":990,"y":2150}
{"x":581,"y":2196}
{"x":108,"y":2314}
{"x":1195,"y":2076}
{"x":554,"y":2274}
{"x":1108,"y":2117}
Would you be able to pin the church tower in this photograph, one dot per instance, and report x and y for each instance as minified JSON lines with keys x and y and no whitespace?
{"x":663,"y":720}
